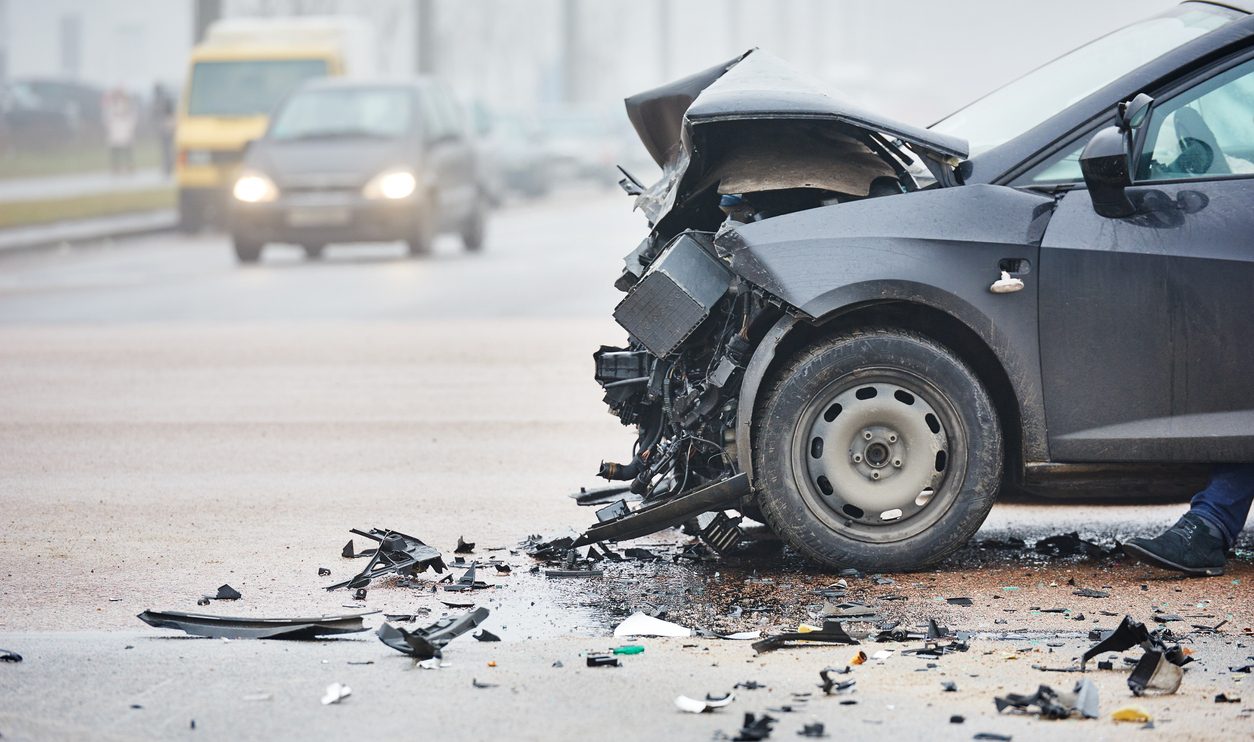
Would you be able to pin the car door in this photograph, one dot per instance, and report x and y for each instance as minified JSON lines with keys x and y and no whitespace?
{"x":1141,"y":317}
{"x":448,"y":151}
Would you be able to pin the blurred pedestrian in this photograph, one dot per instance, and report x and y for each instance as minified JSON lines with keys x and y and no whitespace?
{"x":120,"y":122}
{"x":1199,"y":542}
{"x":163,"y":125}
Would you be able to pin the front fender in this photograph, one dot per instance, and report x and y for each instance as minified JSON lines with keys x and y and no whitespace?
{"x":934,"y":249}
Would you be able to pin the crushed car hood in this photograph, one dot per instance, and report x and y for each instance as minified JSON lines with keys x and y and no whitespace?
{"x":674,"y":119}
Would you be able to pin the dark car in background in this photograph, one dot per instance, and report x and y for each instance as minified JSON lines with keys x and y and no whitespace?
{"x":355,"y":161}
{"x":859,"y":331}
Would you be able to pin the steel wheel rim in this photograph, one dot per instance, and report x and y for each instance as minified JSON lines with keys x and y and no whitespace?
{"x":903,"y":500}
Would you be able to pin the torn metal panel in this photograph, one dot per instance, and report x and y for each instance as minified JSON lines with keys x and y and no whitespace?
{"x":650,"y":518}
{"x":397,"y":553}
{"x":428,"y":643}
{"x":233,"y":627}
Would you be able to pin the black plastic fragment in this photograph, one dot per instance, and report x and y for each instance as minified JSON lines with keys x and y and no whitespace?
{"x":477,"y":684}
{"x":957,"y":719}
{"x":487,"y":636}
{"x":1045,"y":699}
{"x":959,"y":601}
{"x":613,"y":511}
{"x":814,"y":731}
{"x":832,"y":686}
{"x":464,"y":547}
{"x":755,"y":728}
{"x":1088,"y":592}
{"x":1225,"y":698}
{"x":751,"y":684}
{"x":324,"y":572}
{"x":397,"y":552}
{"x":226,"y":592}
{"x":949,"y":686}
{"x":993,"y":737}
{"x":229,"y":627}
{"x":832,"y":633}
{"x":603,"y":660}
{"x":359,"y":594}
{"x":561,"y":573}
{"x":1069,"y":545}
{"x":1105,"y":665}
{"x":1131,"y":633}
{"x":9,"y":656}
{"x":466,"y":582}
{"x":428,"y":642}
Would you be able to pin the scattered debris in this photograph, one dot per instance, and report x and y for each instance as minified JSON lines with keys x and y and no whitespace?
{"x":454,"y":604}
{"x":228,"y":627}
{"x":1225,"y":698}
{"x":949,"y":686}
{"x":959,"y":601}
{"x":1069,"y":545}
{"x":1237,"y":668}
{"x":427,"y":643}
{"x":992,"y":737}
{"x":1155,"y":673}
{"x":1088,"y":592}
{"x":404,"y":555}
{"x":831,"y":686}
{"x":755,"y":728}
{"x":9,"y":656}
{"x":815,"y":730}
{"x":463,"y":547}
{"x":1158,"y":669}
{"x":833,"y":632}
{"x":359,"y":594}
{"x":628,"y":649}
{"x":751,"y":684}
{"x":957,"y":719}
{"x":693,"y":706}
{"x":1050,"y":704}
{"x":486,"y":636}
{"x":640,"y":624}
{"x":336,"y":692}
{"x":603,"y":660}
{"x":476,"y":683}
{"x":559,"y":573}
{"x":466,"y":582}
{"x":1134,"y":714}
{"x":324,"y":572}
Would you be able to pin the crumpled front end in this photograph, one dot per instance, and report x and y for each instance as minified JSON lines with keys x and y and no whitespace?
{"x":755,"y":140}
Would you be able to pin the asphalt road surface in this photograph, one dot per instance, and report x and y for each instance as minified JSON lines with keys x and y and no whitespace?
{"x":170,"y":421}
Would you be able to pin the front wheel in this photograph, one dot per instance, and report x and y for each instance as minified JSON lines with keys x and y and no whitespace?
{"x":878,"y":450}
{"x":246,"y":250}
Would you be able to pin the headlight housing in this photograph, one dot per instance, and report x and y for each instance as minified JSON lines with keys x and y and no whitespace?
{"x":254,"y":188}
{"x":391,"y":185}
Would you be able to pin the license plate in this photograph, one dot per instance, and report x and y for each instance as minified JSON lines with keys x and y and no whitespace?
{"x":323,"y":216}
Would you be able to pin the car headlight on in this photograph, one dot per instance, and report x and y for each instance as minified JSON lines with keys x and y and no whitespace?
{"x":255,"y":188}
{"x":391,"y":185}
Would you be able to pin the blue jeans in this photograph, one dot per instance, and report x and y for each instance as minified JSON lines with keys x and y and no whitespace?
{"x":1225,"y":502}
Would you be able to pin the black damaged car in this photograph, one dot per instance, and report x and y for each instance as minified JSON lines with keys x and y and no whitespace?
{"x":859,"y":331}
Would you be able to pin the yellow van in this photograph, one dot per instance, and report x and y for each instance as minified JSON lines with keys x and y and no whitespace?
{"x":244,"y":67}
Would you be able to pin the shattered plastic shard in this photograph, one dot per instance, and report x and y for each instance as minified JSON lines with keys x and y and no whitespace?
{"x":428,"y":642}
{"x":1134,"y":714}
{"x":1088,"y":592}
{"x":8,"y":656}
{"x":959,"y":601}
{"x":815,"y":730}
{"x":229,"y":627}
{"x":477,"y":684}
{"x":466,"y":582}
{"x":336,"y":692}
{"x":226,"y":592}
{"x":1155,"y":673}
{"x":755,"y":728}
{"x":603,"y":660}
{"x":639,"y":624}
{"x":463,"y":547}
{"x":830,"y":685}
{"x":831,"y":633}
{"x":486,"y":636}
{"x":397,"y":552}
{"x":1225,"y":698}
{"x":693,"y":706}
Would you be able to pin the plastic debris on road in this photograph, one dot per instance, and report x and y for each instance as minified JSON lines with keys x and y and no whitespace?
{"x":694,"y":706}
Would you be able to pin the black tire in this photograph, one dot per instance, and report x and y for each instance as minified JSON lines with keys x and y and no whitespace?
{"x":475,"y":228}
{"x":895,"y":386}
{"x":422,"y":232}
{"x":246,"y":250}
{"x":313,"y":251}
{"x":191,"y":213}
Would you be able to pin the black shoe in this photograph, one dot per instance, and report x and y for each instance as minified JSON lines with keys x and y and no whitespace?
{"x":1192,"y":546}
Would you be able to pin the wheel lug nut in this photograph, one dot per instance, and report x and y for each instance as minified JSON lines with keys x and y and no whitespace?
{"x":892,"y":438}
{"x":875,"y":475}
{"x":866,"y":434}
{"x":897,"y":463}
{"x":857,"y":458}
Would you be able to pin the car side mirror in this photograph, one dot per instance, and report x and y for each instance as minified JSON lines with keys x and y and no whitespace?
{"x":1107,"y":159}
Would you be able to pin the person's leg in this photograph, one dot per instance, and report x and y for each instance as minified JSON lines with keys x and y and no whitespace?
{"x":1199,"y":541}
{"x":1225,"y":503}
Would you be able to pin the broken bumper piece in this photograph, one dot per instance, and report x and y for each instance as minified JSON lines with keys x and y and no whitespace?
{"x":429,"y":642}
{"x":229,"y":627}
{"x":397,"y":552}
{"x":651,"y":518}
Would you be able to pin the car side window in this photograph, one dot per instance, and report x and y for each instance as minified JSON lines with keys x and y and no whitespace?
{"x":435,"y":121}
{"x":1205,"y":131}
{"x":1061,"y":167}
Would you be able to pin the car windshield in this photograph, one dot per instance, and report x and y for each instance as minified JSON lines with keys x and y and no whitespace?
{"x":247,"y":88}
{"x":1010,"y":111}
{"x":345,"y":112}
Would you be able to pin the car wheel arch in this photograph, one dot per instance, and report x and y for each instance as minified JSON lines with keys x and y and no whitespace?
{"x":792,"y":334}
